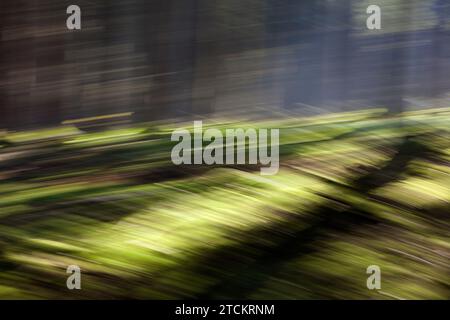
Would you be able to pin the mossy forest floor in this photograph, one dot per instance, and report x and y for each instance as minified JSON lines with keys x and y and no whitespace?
{"x":353,"y":190}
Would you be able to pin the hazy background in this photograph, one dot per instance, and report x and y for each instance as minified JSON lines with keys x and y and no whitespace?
{"x":172,"y":58}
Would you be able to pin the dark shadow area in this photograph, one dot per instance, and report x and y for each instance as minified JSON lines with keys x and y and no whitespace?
{"x":237,"y":278}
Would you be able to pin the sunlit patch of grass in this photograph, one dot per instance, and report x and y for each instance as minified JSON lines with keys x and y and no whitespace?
{"x":106,"y":137}
{"x":163,"y":234}
{"x":51,"y":193}
{"x":418,"y":191}
{"x":42,"y":134}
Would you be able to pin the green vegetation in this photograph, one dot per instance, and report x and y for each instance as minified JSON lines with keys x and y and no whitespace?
{"x":354,"y":189}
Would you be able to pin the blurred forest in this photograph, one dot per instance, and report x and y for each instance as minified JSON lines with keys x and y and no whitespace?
{"x":183,"y":58}
{"x":364,"y":149}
